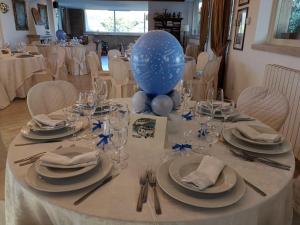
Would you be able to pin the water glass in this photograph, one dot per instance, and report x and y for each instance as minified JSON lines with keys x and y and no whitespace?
{"x":118,"y":138}
{"x":101,"y":90}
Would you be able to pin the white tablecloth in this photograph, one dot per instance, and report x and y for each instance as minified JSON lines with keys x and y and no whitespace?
{"x":16,"y":77}
{"x":75,"y":58}
{"x":115,"y":203}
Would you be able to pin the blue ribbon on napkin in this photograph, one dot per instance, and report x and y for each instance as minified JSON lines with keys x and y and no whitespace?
{"x":203,"y":131}
{"x":188,"y":116}
{"x":181,"y":147}
{"x":103,"y":139}
{"x":97,"y":125}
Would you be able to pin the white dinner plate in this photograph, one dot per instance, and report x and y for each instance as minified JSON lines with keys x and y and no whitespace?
{"x":198,"y":199}
{"x":70,"y":184}
{"x":182,"y":166}
{"x":262,"y":129}
{"x":57,"y":173}
{"x":26,"y":132}
{"x":45,"y":129}
{"x":269,"y":150}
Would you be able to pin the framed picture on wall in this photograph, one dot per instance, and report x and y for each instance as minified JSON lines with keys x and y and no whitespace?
{"x":43,"y":15}
{"x":243,"y":2}
{"x":240,"y":29}
{"x":20,"y":14}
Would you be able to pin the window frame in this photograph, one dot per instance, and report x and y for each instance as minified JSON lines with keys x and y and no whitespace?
{"x":273,"y":26}
{"x":118,"y":33}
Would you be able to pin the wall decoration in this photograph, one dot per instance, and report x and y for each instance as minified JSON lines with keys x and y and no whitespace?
{"x":36,"y":15}
{"x":20,"y":14}
{"x":4,"y":7}
{"x":43,"y":15}
{"x":243,"y":2}
{"x":240,"y":29}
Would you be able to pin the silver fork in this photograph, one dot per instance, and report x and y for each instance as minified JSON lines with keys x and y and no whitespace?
{"x":153,"y":182}
{"x":142,"y":181}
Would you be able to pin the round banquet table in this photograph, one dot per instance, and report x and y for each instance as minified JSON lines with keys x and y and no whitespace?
{"x":16,"y":76}
{"x":115,"y":202}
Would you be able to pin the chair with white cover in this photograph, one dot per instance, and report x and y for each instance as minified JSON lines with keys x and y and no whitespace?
{"x":50,"y":96}
{"x":31,"y":48}
{"x":189,"y":68}
{"x":120,"y":76}
{"x":202,"y":61}
{"x":191,"y":50}
{"x":112,"y":54}
{"x":90,"y":47}
{"x":269,"y":106}
{"x":56,"y":62}
{"x":96,"y":70}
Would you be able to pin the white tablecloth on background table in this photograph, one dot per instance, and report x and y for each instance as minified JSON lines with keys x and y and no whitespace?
{"x":115,"y":202}
{"x":16,"y":77}
{"x":75,"y":58}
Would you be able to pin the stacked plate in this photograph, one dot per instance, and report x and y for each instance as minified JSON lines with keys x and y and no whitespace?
{"x":35,"y":132}
{"x":228,"y":189}
{"x":238,"y":140}
{"x":64,"y":178}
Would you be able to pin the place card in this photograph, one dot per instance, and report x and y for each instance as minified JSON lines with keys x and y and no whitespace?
{"x":147,"y":130}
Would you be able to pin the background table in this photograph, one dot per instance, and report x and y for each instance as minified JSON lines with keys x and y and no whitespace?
{"x":17,"y":77}
{"x":115,"y":203}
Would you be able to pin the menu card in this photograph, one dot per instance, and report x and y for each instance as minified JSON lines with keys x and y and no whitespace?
{"x":147,"y":130}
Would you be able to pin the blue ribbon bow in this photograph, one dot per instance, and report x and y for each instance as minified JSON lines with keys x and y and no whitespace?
{"x":103,"y":139}
{"x":188,"y":116}
{"x":97,"y":125}
{"x":180,"y":147}
{"x":203,"y":131}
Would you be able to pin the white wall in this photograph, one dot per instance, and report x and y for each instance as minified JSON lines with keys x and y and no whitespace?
{"x":10,"y":34}
{"x":246,"y":68}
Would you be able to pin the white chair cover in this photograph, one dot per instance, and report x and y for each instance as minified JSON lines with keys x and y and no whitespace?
{"x":270,"y":107}
{"x":189,"y":69}
{"x":90,"y":47}
{"x":297,"y":194}
{"x":76,"y":60}
{"x":56,"y":62}
{"x":112,"y":54}
{"x":191,"y":50}
{"x":120,"y":75}
{"x":31,"y":48}
{"x":202,"y":60}
{"x":50,"y":96}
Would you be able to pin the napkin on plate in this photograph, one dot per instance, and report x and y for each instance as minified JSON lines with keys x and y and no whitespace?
{"x":255,"y":135}
{"x":46,"y":120}
{"x":55,"y":160}
{"x":206,"y":174}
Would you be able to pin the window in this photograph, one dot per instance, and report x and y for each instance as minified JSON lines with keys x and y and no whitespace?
{"x":286,"y":23}
{"x":116,"y":21}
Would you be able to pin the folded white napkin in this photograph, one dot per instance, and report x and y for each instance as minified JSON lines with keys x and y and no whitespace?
{"x":254,"y":134}
{"x":51,"y":159}
{"x":206,"y":174}
{"x":46,"y":120}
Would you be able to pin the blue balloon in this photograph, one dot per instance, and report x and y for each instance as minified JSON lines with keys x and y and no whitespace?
{"x":61,"y":35}
{"x":140,"y":101}
{"x":176,"y":98}
{"x":157,"y":62}
{"x":162,"y":105}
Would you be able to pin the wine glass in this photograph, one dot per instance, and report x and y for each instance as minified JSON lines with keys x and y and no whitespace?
{"x":118,"y":137}
{"x":227,"y":109}
{"x":119,"y":115}
{"x":101,"y":90}
{"x":210,"y":102}
{"x":187,"y":94}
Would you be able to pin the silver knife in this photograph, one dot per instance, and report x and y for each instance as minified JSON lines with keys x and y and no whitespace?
{"x":86,"y":195}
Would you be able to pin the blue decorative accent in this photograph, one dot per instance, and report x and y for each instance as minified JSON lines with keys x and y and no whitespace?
{"x":203,"y":131}
{"x":60,"y":35}
{"x":97,"y":125}
{"x":181,"y":147}
{"x":104,"y":139}
{"x":157,"y":62}
{"x":162,"y":105}
{"x":187,"y":116}
{"x":140,"y":102}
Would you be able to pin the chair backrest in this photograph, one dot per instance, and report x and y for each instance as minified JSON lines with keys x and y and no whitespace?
{"x":31,"y":48}
{"x":191,"y":50}
{"x":202,"y":60}
{"x":211,"y":70}
{"x":112,"y":54}
{"x":2,"y":146}
{"x":94,"y":64}
{"x":50,"y":96}
{"x":119,"y":71}
{"x":268,"y":106}
{"x":55,"y":60}
{"x":90,"y":47}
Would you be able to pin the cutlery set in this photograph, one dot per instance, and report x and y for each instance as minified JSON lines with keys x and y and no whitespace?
{"x":148,"y":178}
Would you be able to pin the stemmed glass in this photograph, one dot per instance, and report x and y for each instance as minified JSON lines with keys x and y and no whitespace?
{"x":118,"y":137}
{"x":187,"y":92}
{"x":101,"y":90}
{"x":210,"y":102}
{"x":227,"y":109}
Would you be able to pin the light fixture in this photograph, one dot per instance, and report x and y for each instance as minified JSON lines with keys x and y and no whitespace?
{"x":4,"y":7}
